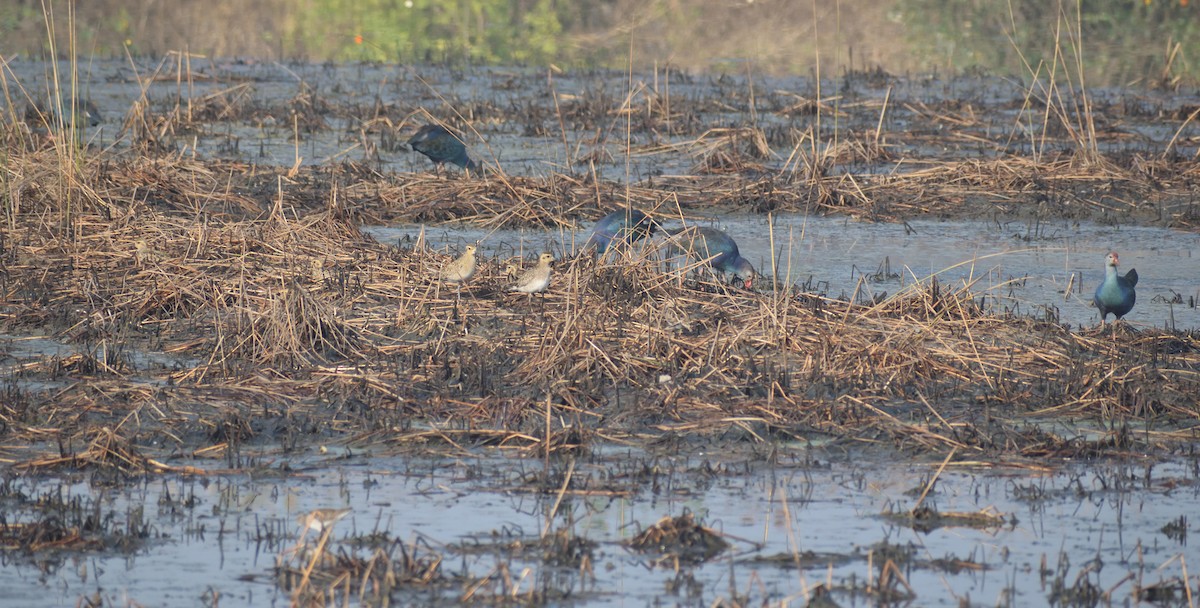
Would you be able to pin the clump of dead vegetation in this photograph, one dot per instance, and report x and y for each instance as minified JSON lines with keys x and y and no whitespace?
{"x":220,"y":301}
{"x":376,"y":567}
{"x":45,"y":522}
{"x":675,"y":540}
{"x":323,"y":572}
{"x":263,"y":299}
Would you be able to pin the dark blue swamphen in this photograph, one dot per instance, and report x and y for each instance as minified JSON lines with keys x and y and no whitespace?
{"x":621,"y":227}
{"x":441,"y":146}
{"x":715,"y":246}
{"x":1115,"y":294}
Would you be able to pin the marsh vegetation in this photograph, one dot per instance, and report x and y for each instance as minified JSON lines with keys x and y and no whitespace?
{"x":190,"y":296}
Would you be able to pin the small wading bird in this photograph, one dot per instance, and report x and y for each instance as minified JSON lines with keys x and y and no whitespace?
{"x":44,"y":112}
{"x":536,"y":279}
{"x":715,"y":247}
{"x":441,"y":146}
{"x":319,"y":521}
{"x":461,"y":269}
{"x":621,"y":227}
{"x":1115,"y":294}
{"x":42,"y":118}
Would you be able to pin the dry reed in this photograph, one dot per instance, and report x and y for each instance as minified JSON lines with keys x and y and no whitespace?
{"x":198,"y":297}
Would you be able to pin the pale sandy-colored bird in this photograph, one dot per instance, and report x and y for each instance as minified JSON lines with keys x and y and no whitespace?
{"x":320,"y":521}
{"x":143,"y":253}
{"x":461,"y":269}
{"x":536,"y":279}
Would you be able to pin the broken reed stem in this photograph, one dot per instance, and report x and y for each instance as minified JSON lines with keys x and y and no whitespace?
{"x":933,"y":480}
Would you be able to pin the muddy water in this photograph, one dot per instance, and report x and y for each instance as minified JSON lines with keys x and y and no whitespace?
{"x":1022,"y":268}
{"x":1096,"y":523}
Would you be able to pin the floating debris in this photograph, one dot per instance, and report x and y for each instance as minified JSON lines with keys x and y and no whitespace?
{"x":678,"y":540}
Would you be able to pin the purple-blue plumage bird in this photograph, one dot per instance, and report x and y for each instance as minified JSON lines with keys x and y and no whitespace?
{"x":718,"y":248}
{"x":1115,"y":294}
{"x":441,"y":146}
{"x":621,"y":227}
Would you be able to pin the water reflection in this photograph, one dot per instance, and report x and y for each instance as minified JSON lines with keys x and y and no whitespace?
{"x":1073,"y":523}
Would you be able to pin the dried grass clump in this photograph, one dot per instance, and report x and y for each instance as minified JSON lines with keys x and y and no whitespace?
{"x":47,"y":534}
{"x":678,"y":540}
{"x":188,"y":116}
{"x":294,"y":329}
{"x":321,"y":576}
{"x":730,"y":151}
{"x":200,"y":297}
{"x":495,"y":202}
{"x":307,"y":110}
{"x":107,"y":452}
{"x":926,"y":518}
{"x":303,"y":313}
{"x":184,"y":186}
{"x":49,"y":184}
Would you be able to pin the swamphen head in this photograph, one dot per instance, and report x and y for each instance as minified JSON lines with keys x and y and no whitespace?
{"x":715,"y":246}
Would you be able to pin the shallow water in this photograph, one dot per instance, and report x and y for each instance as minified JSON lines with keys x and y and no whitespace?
{"x":1103,"y":517}
{"x":1022,"y":268}
{"x":19,"y":350}
{"x":519,"y":126}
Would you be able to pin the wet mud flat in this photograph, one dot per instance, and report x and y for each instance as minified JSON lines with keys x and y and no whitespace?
{"x":191,"y":301}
